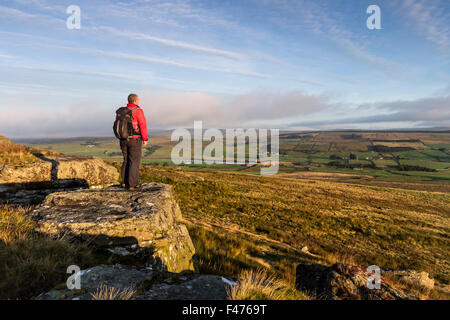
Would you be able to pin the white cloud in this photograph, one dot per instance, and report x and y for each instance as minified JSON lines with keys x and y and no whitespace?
{"x":430,"y":111}
{"x":164,"y":109}
{"x":169,"y":109}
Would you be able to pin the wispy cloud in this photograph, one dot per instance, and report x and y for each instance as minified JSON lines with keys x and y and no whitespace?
{"x":168,"y":42}
{"x":142,"y":58}
{"x":6,"y":56}
{"x":134,"y":77}
{"x":12,"y":14}
{"x":171,"y":43}
{"x":429,"y":18}
{"x":317,"y":18}
{"x":180,"y":14}
{"x":15,"y":14}
{"x":41,"y":5}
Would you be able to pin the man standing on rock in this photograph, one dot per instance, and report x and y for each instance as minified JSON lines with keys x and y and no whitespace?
{"x":132,"y":147}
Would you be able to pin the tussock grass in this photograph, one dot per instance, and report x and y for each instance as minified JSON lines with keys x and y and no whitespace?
{"x":31,"y":263}
{"x":105,"y":292}
{"x":13,"y":225}
{"x":260,"y":285}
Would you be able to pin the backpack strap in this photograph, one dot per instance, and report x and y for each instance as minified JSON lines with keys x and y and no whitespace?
{"x":135,"y":132}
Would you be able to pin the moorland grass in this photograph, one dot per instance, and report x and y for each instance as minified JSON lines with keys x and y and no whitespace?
{"x":31,"y":263}
{"x":391,"y":228}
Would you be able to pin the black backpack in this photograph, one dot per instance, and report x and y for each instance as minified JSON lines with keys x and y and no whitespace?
{"x":123,"y":128}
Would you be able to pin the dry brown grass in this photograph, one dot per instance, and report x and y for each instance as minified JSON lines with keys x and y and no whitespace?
{"x":31,"y":263}
{"x":391,"y":228}
{"x":7,"y":146}
{"x":111,"y":293}
{"x":16,"y":155}
{"x":13,"y":225}
{"x":260,"y":285}
{"x":340,"y":257}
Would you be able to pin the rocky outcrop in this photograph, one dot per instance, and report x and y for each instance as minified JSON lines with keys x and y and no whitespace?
{"x":144,"y":282}
{"x":31,"y":182}
{"x":94,"y":171}
{"x":344,"y":282}
{"x":143,"y":224}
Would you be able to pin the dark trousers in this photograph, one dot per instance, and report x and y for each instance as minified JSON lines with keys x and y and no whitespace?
{"x":132,"y":151}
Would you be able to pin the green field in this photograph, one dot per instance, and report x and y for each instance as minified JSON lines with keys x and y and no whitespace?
{"x":404,"y":157}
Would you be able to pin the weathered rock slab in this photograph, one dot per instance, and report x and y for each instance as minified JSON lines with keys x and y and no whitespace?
{"x":146,"y":283}
{"x":94,"y":171}
{"x":122,"y":221}
{"x":30,"y":183}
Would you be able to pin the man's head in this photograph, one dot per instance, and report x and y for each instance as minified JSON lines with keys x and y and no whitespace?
{"x":133,"y":98}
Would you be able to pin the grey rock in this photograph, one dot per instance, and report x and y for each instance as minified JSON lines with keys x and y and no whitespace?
{"x":92,"y":170}
{"x":200,"y":287}
{"x":30,"y":183}
{"x":122,"y":222}
{"x":146,"y":284}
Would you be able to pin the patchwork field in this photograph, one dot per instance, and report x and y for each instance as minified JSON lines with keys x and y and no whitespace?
{"x":421,"y":160}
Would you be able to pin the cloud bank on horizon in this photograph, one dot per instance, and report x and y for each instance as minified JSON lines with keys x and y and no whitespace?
{"x":279,"y":64}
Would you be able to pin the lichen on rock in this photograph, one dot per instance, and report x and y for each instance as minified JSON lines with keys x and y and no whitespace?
{"x":123,"y":222}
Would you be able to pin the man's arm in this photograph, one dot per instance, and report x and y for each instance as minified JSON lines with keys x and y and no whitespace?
{"x":142,"y":122}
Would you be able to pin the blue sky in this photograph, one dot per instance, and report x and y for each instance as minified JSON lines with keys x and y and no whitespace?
{"x":262,"y":63}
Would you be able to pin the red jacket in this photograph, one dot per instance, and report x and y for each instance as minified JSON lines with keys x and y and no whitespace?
{"x":139,"y":122}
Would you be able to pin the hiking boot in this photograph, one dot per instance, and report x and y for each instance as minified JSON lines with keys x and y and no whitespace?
{"x":136,"y":188}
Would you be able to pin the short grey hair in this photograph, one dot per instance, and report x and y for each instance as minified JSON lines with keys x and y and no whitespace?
{"x":132,"y":97}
